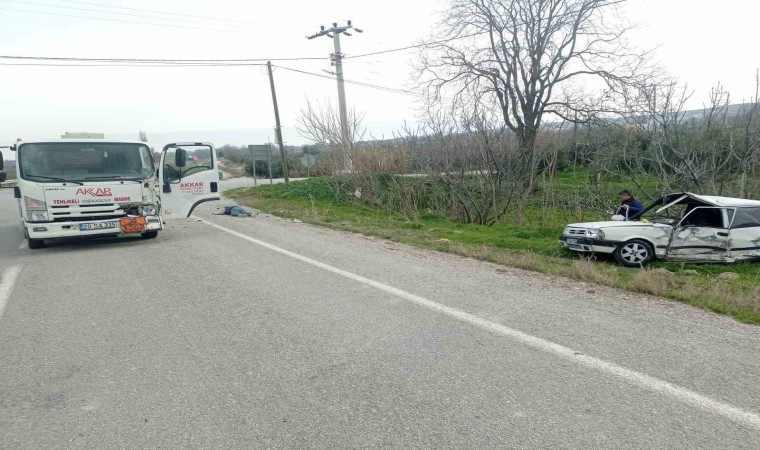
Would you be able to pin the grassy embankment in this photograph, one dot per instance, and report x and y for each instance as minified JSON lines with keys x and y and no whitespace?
{"x":529,"y":247}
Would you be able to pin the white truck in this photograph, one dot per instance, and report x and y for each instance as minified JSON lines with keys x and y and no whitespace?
{"x":100,"y":188}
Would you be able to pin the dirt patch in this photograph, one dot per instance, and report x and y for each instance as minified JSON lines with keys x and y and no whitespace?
{"x":231,"y":169}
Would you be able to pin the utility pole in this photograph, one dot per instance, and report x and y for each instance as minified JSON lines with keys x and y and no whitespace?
{"x":278,"y":128}
{"x":337,"y":59}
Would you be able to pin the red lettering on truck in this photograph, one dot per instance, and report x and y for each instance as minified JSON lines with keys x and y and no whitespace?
{"x":95,"y":192}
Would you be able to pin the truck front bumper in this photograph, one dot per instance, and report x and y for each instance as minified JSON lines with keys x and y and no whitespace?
{"x":588,"y":245}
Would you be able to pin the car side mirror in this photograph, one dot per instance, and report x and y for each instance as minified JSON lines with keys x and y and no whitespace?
{"x":180,"y":157}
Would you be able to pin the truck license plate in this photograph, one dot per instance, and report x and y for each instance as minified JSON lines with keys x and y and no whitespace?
{"x":572,"y":242}
{"x":96,"y":226}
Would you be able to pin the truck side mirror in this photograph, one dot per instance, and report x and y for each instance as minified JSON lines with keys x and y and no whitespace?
{"x":180,"y":157}
{"x":2,"y":163}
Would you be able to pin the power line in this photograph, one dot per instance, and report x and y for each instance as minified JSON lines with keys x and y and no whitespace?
{"x":410,"y":47}
{"x":114,"y":20}
{"x":209,"y":64}
{"x":149,"y":60}
{"x":160,"y":12}
{"x":443,"y":41}
{"x":358,"y":83}
{"x":135,"y":65}
{"x":111,"y":12}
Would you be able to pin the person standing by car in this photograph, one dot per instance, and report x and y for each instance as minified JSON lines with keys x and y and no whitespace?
{"x":629,"y":206}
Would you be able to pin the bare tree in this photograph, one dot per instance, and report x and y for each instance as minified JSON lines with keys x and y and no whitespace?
{"x":529,"y":59}
{"x":142,"y":136}
{"x":321,"y":125}
{"x":749,"y":156}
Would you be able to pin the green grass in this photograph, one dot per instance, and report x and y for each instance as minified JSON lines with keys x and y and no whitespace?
{"x":529,"y":247}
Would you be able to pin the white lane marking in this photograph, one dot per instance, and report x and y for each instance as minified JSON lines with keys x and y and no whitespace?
{"x":6,"y":285}
{"x":680,"y":393}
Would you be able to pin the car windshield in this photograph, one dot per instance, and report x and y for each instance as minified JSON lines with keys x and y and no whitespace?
{"x":79,"y":161}
{"x":672,"y":209}
{"x":669,"y":215}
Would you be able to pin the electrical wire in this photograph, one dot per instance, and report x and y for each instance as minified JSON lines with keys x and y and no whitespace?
{"x":134,"y":65}
{"x":443,"y":41}
{"x":160,"y":12}
{"x":358,"y":83}
{"x":113,"y":12}
{"x":149,"y":60}
{"x":116,"y":20}
{"x":190,"y":63}
{"x":411,"y":47}
{"x":241,"y":60}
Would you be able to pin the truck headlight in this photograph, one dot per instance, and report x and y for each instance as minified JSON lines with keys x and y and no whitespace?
{"x":38,"y":216}
{"x":150,"y":210}
{"x":36,"y":210}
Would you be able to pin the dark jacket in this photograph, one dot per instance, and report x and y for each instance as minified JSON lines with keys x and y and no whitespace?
{"x":632,"y":206}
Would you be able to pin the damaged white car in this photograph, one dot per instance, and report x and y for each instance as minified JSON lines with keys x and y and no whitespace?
{"x":680,"y":227}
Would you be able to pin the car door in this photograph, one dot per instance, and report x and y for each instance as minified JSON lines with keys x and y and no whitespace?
{"x":745,"y":233}
{"x":702,"y":235}
{"x":188,"y":177}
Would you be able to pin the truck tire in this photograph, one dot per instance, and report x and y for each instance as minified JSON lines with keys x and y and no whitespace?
{"x":634,"y":253}
{"x":34,"y":244}
{"x":150,"y":234}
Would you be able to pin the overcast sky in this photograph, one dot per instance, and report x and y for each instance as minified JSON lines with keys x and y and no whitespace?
{"x":702,"y":42}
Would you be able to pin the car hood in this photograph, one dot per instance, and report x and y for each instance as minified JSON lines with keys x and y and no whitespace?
{"x":609,"y":224}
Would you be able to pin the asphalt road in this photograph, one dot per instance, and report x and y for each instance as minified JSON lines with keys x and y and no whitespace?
{"x":262,"y":333}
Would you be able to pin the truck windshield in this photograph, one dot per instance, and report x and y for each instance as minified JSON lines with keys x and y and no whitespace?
{"x":82,"y":161}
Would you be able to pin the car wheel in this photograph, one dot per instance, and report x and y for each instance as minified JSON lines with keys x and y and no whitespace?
{"x":634,"y":253}
{"x":35,"y":243}
{"x":150,"y":234}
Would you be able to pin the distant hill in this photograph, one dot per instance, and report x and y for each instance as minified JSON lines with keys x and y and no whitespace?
{"x":242,"y":137}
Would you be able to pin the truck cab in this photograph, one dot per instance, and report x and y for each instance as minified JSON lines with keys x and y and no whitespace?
{"x":100,"y":188}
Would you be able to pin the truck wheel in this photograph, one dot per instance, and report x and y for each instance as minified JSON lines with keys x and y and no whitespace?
{"x":35,"y":243}
{"x":634,"y":253}
{"x":150,"y":234}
